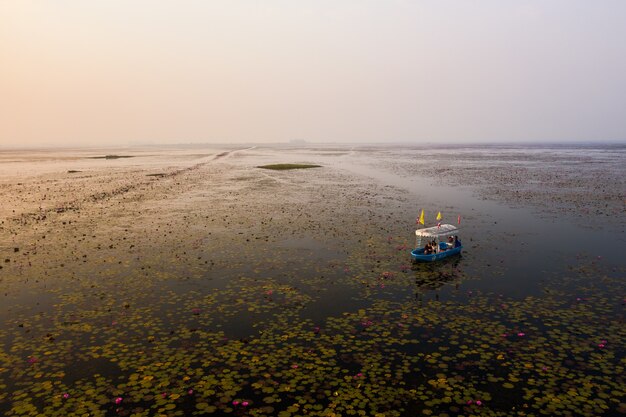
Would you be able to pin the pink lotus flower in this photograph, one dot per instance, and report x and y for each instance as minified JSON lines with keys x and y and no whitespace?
{"x":235,"y":403}
{"x":190,"y":392}
{"x":66,"y":395}
{"x":478,"y":402}
{"x":118,"y":400}
{"x":245,"y":403}
{"x":294,"y":366}
{"x":521,"y":334}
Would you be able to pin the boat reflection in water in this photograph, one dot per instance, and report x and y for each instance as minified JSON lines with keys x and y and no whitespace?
{"x":431,"y":277}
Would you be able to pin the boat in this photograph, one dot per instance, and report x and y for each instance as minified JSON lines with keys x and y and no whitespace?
{"x":436,"y":233}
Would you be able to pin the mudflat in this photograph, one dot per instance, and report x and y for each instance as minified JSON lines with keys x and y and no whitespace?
{"x":188,"y":281}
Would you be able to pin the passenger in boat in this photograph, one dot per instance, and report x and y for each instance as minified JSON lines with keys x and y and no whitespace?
{"x":435,"y":246}
{"x":450,"y":242}
{"x":457,"y":242}
{"x":427,"y":249}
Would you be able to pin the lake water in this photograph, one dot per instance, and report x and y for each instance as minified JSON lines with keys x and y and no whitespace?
{"x":187,"y":281}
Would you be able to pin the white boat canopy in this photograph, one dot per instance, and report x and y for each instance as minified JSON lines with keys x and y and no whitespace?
{"x":436,"y":231}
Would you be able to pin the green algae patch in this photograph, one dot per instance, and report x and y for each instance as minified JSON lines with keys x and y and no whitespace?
{"x":112,"y":157}
{"x":284,"y":167}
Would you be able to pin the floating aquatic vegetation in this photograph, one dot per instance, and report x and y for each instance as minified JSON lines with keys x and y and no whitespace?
{"x":112,"y":156}
{"x":283,"y":167}
{"x":393,"y":357}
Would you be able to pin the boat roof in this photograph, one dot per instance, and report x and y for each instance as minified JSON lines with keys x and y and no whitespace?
{"x":435,"y":231}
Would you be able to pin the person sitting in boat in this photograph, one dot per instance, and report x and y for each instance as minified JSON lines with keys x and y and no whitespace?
{"x":435,"y":246}
{"x":427,"y":249}
{"x":457,"y":242}
{"x":450,"y":242}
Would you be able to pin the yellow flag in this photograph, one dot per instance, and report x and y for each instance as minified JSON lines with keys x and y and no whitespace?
{"x":439,"y":216}
{"x":421,"y":218}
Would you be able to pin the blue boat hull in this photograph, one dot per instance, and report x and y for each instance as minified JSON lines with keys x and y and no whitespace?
{"x":418,"y":254}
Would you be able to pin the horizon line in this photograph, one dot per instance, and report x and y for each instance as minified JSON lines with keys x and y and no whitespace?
{"x":305,"y":143}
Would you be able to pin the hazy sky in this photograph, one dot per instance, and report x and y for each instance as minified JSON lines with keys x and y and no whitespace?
{"x":134,"y":71}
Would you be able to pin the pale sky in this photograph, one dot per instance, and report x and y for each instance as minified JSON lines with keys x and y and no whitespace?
{"x":87,"y":72}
